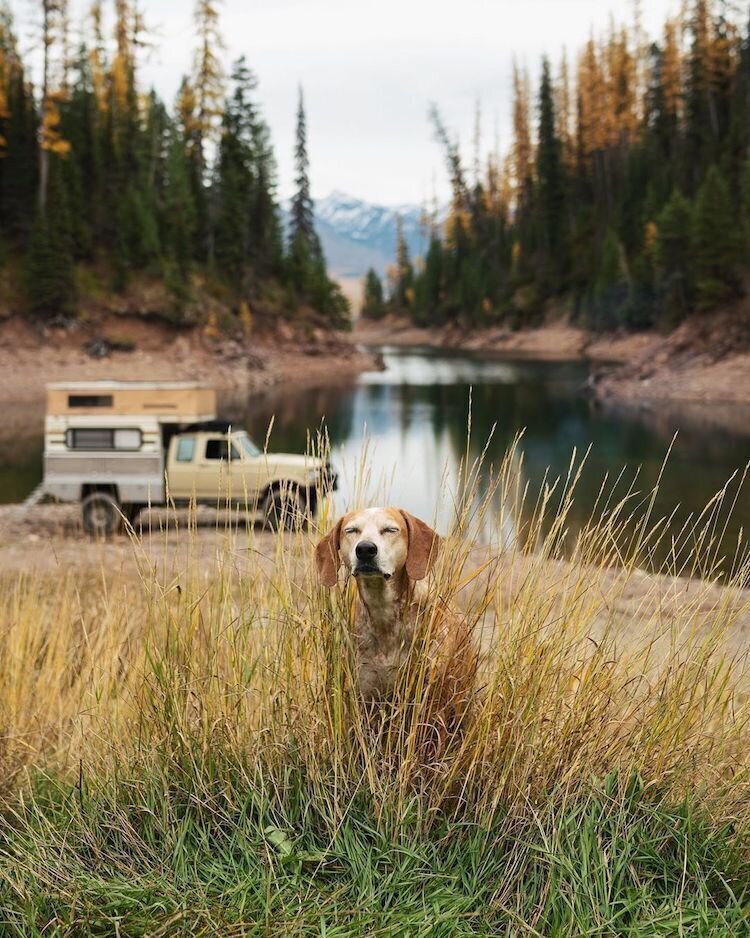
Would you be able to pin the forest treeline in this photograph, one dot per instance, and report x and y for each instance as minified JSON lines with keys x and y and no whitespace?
{"x":101,"y":181}
{"x":625,"y":196}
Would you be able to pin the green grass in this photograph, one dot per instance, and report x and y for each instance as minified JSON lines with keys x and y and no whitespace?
{"x":147,"y":856}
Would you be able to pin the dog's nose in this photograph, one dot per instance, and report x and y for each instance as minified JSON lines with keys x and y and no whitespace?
{"x":366,"y":550}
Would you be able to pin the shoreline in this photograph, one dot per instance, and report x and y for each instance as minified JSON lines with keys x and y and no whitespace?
{"x":704,"y":361}
{"x":555,"y":341}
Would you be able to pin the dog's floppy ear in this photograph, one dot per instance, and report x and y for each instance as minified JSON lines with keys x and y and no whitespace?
{"x":424,"y":545}
{"x":327,"y":557}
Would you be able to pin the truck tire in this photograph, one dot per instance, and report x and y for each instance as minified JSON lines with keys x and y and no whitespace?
{"x":101,"y":514}
{"x":284,"y":508}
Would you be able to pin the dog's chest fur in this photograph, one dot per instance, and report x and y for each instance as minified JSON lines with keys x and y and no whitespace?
{"x":384,"y":627}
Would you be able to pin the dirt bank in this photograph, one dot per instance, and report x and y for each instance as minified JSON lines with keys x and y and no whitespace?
{"x":706,"y":360}
{"x":121,"y":348}
{"x":555,"y":341}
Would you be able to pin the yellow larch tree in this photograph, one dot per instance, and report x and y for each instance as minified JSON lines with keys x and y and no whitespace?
{"x":523,"y":152}
{"x":592,"y":101}
{"x":97,"y":56}
{"x":208,"y":79}
{"x":54,"y":44}
{"x":671,"y":69}
{"x":564,"y":111}
{"x":123,"y":64}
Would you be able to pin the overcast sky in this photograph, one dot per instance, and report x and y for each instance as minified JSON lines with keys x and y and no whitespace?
{"x":370,"y":69}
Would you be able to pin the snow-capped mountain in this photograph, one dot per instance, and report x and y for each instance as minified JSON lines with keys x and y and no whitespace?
{"x":357,"y":235}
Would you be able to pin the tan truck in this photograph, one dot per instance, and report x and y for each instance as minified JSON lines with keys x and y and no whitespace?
{"x":118,"y":447}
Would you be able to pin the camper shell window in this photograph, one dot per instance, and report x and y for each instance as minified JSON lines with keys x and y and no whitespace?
{"x":104,"y":439}
{"x":90,"y":400}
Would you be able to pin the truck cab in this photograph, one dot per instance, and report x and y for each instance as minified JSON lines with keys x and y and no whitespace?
{"x":117,"y":447}
{"x":214,"y":462}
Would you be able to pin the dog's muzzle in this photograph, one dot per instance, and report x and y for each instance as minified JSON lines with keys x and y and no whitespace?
{"x":367,"y":565}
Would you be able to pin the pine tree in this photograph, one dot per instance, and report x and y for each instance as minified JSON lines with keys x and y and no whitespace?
{"x":54,"y":40}
{"x":717,"y":246}
{"x":522,"y":148}
{"x":304,"y":246}
{"x":19,"y":148}
{"x":674,"y":257}
{"x":373,"y":305}
{"x":302,"y":235}
{"x":178,"y":219}
{"x":428,"y":287}
{"x":235,"y":177}
{"x":207,"y":89}
{"x":248,"y":234}
{"x":700,"y":104}
{"x":306,"y":264}
{"x":49,"y":264}
{"x":551,"y":186}
{"x":611,"y":294}
{"x":402,"y":290}
{"x":457,"y":175}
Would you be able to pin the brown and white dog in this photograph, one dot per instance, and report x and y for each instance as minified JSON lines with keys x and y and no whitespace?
{"x":390,"y":553}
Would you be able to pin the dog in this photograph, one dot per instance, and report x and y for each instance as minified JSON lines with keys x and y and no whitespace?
{"x":391,"y":555}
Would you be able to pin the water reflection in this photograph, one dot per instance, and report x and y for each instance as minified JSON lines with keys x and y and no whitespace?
{"x":415,"y":415}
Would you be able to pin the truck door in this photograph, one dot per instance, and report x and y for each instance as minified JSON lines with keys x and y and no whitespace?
{"x":216,"y":479}
{"x":181,"y":467}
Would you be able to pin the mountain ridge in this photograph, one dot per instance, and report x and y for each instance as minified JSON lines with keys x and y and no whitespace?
{"x":357,"y":235}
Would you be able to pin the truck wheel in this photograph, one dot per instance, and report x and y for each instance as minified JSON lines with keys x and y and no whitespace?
{"x":283,"y":509}
{"x":101,"y":514}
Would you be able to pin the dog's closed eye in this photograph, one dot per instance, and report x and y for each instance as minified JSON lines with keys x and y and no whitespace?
{"x":391,"y":530}
{"x":352,"y":531}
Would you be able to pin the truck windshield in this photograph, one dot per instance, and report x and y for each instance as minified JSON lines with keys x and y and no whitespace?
{"x":247,"y":445}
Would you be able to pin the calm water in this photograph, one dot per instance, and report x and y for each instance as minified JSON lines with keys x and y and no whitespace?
{"x":413,"y":417}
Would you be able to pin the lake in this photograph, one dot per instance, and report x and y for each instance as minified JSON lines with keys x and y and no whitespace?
{"x":413,"y":417}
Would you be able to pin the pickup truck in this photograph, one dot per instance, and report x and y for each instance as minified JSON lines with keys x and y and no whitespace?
{"x":139,"y":446}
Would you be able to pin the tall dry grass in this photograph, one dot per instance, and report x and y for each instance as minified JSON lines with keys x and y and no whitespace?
{"x":241,"y":658}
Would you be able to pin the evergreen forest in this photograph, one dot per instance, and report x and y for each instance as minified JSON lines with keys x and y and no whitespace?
{"x":623,"y":199}
{"x":102,"y":184}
